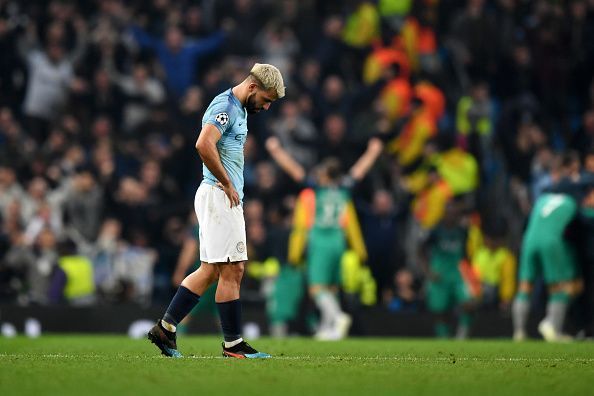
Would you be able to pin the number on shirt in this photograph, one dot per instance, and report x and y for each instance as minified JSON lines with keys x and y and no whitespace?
{"x":553,"y":204}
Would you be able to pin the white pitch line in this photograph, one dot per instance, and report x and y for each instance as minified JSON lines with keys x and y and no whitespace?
{"x":339,"y":358}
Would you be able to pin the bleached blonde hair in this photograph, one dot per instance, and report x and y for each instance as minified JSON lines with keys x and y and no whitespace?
{"x":269,"y":77}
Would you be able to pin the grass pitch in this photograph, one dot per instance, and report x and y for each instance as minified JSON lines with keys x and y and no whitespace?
{"x":114,"y":365}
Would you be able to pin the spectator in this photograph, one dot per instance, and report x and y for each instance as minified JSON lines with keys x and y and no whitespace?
{"x":334,"y":99}
{"x":178,"y":57}
{"x":296,"y":133}
{"x":16,"y":147}
{"x":474,"y":121}
{"x":134,"y":268}
{"x":143,"y":92}
{"x":474,"y":39}
{"x":108,"y":244}
{"x":51,"y":75}
{"x":380,"y":228}
{"x":83,"y":204}
{"x":73,"y":282}
{"x":10,"y":189}
{"x":278,"y":45}
{"x":40,"y":274}
{"x":103,"y":98}
{"x":496,"y":267}
{"x":404,"y":297}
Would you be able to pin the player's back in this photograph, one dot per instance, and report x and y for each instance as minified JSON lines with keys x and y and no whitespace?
{"x":551,"y":215}
{"x":330,"y":209}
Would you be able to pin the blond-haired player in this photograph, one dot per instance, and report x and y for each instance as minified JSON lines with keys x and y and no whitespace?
{"x":218,"y":206}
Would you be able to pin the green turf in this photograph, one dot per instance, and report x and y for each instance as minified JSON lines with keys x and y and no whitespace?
{"x":109,"y":365}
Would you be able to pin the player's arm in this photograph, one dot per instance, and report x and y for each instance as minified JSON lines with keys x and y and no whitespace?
{"x":284,"y":160}
{"x":187,"y":256}
{"x":374,"y":148}
{"x":207,"y":149}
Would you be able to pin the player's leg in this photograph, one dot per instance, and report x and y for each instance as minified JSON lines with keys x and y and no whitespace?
{"x":560,"y":271}
{"x":188,"y":294}
{"x":228,"y":303}
{"x":283,"y":302}
{"x":163,"y":334}
{"x":342,"y":322}
{"x":466,"y":307}
{"x":334,"y":323}
{"x":521,"y":305}
{"x":520,"y":310}
{"x":229,"y":306}
{"x":327,"y":306}
{"x":318,"y":282}
{"x":206,"y":309}
{"x":438,"y":303}
{"x":551,"y":327}
{"x":321,"y":271}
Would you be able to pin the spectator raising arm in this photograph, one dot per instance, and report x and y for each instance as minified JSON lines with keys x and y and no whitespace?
{"x":144,"y":39}
{"x":207,"y":45}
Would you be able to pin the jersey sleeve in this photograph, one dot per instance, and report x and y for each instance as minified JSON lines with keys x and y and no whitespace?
{"x":221,"y":115}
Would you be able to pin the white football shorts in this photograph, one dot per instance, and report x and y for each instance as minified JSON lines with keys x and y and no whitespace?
{"x":222,"y":229}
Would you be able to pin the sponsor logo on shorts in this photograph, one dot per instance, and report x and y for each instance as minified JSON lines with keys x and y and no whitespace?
{"x":240,"y":247}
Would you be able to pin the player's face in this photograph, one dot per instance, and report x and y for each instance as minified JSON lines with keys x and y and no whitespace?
{"x":259,"y":99}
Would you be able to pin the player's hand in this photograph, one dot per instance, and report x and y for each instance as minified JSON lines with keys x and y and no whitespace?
{"x":272,"y":143}
{"x":230,"y":193}
{"x":375,"y":145}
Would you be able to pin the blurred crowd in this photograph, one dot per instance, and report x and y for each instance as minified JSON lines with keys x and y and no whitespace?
{"x":480,"y":105}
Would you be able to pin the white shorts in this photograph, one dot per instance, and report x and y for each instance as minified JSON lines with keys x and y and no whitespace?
{"x":222,"y":229}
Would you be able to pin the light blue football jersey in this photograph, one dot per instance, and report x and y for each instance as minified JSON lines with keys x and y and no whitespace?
{"x":227,"y":114}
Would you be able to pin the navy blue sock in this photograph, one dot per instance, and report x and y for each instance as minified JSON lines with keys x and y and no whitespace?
{"x":230,"y":314}
{"x":181,"y":305}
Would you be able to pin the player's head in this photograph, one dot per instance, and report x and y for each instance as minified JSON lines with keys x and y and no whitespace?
{"x":454,"y":212}
{"x":265,"y":85}
{"x":329,"y":171}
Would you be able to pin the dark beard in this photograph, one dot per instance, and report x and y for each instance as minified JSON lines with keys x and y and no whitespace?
{"x":250,"y":106}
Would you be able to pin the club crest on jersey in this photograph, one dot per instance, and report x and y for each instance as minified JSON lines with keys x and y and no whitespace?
{"x":222,"y":118}
{"x":240,"y":247}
